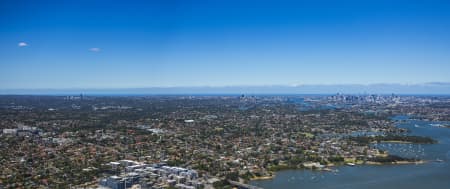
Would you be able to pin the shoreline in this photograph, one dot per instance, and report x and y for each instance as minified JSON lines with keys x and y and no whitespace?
{"x":395,"y":141}
{"x":263,"y":177}
{"x":396,"y":162}
{"x":327,"y":169}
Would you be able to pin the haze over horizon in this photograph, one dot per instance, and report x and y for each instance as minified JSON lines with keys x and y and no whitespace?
{"x":147,"y":44}
{"x":410,"y":89}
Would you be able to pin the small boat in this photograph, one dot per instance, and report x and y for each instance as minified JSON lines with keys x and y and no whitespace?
{"x":439,"y":160}
{"x":351,"y":164}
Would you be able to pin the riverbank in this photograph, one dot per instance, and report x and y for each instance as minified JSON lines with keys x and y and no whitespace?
{"x":262,"y":177}
{"x":395,"y":163}
{"x":379,"y":160}
{"x":404,"y":139}
{"x":393,"y":141}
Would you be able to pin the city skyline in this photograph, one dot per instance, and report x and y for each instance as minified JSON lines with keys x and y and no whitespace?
{"x":99,"y":44}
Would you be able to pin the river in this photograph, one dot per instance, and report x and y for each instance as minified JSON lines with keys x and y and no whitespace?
{"x":433,"y":174}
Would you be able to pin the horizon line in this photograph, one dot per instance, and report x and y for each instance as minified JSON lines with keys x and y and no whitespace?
{"x":227,"y":86}
{"x":430,"y":88}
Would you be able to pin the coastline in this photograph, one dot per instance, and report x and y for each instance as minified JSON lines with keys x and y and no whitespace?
{"x":268,"y":177}
{"x":396,"y":162}
{"x":395,"y":141}
{"x":327,"y":169}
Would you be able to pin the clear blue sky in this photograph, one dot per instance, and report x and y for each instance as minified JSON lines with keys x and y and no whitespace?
{"x":112,"y":44}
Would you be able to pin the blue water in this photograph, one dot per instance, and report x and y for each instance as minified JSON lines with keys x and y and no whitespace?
{"x":429,"y":175}
{"x":307,"y":106}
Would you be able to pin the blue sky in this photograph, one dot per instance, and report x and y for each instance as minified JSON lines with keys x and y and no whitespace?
{"x":123,"y":44}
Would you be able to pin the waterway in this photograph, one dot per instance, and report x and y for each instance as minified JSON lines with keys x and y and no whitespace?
{"x":433,"y":174}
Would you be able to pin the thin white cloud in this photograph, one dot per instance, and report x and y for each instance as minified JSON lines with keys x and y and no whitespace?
{"x":22,"y":44}
{"x":95,"y":49}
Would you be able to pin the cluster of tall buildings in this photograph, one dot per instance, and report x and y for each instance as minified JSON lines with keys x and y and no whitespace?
{"x":22,"y":130}
{"x":137,"y":174}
